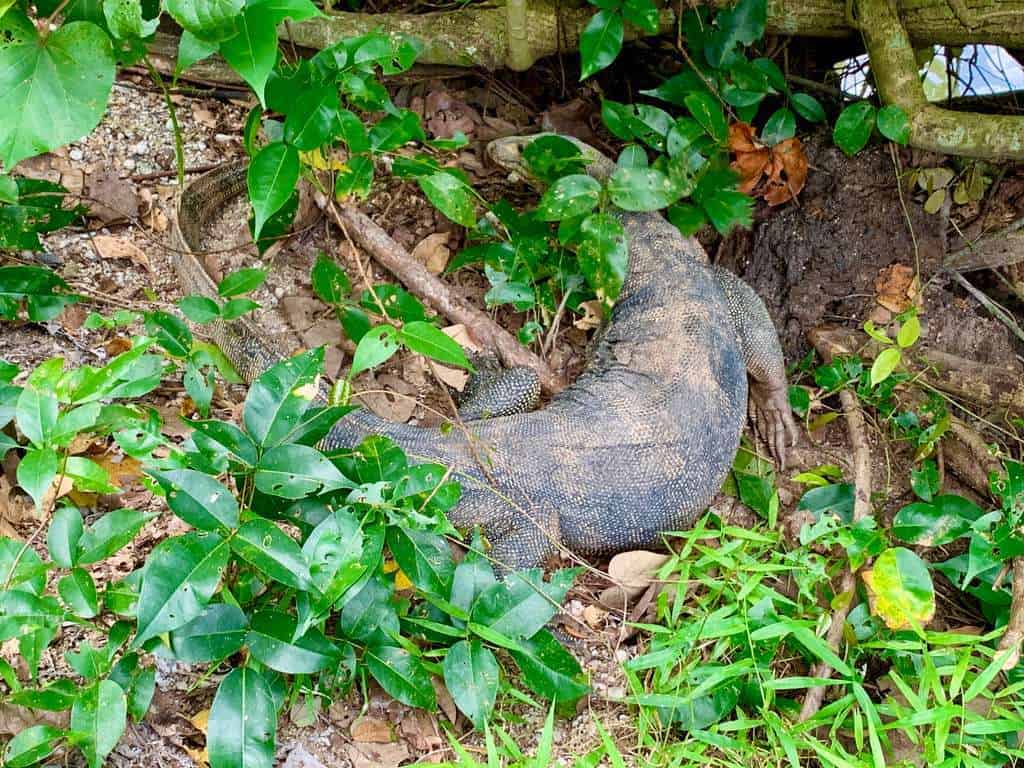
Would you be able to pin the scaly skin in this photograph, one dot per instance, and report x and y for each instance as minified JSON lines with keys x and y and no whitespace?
{"x":637,"y":446}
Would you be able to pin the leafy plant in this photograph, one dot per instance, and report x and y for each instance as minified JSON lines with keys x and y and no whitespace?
{"x":303,"y":559}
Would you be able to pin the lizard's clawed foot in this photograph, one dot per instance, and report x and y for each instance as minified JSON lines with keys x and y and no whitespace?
{"x":773,"y":419}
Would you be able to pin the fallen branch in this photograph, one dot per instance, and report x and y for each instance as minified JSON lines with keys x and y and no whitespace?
{"x":1014,"y":635}
{"x":967,"y":134}
{"x":440,"y":296}
{"x":857,"y":433}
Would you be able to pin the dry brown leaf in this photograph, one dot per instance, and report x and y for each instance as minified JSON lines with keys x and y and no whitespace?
{"x":372,"y":730}
{"x":121,"y":469}
{"x":420,"y":728}
{"x":593,"y":315}
{"x":110,"y":247}
{"x":117,"y":345}
{"x":594,"y":616}
{"x":777,"y":174}
{"x":204,"y":116}
{"x":378,"y":755}
{"x":113,"y":198}
{"x":632,"y":573}
{"x":300,"y":311}
{"x":896,"y":287}
{"x":395,"y":403}
{"x":433,"y":252}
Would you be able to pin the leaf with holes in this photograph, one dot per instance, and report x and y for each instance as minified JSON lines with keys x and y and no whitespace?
{"x":180,"y":577}
{"x":603,"y":255}
{"x":375,"y":347}
{"x":110,"y":533}
{"x":297,"y":471}
{"x":569,"y":196}
{"x":279,"y":397}
{"x":100,"y":714}
{"x":330,"y":282}
{"x":641,"y":189}
{"x":450,"y":195}
{"x":198,"y":499}
{"x":272,"y":551}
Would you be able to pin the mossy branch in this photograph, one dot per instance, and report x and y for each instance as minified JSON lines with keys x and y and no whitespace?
{"x":968,"y":134}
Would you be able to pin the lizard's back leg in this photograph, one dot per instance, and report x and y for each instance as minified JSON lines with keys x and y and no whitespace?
{"x":759,"y":344}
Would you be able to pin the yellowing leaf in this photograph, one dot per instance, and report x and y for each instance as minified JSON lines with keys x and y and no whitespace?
{"x":900,"y":589}
{"x":884,"y":365}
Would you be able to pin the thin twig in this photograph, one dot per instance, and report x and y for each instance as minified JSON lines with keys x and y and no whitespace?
{"x":857,"y":432}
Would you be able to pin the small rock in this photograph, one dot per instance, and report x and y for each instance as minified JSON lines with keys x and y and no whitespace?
{"x":222,"y":138}
{"x":616,"y":692}
{"x":372,"y":730}
{"x":201,"y":146}
{"x":141,"y":148}
{"x":76,"y":154}
{"x":621,"y":655}
{"x":129,"y":164}
{"x":300,"y":757}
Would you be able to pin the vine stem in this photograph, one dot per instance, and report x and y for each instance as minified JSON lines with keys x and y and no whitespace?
{"x":179,"y":147}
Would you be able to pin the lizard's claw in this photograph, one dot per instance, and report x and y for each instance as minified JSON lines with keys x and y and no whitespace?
{"x":773,"y":419}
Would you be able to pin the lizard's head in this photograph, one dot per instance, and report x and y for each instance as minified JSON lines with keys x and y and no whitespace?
{"x":509,"y":153}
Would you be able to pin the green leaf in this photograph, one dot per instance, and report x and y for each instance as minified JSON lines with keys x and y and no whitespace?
{"x":297,"y":471}
{"x":900,"y":589}
{"x":779,"y":127}
{"x":355,"y":179}
{"x":471,"y":675}
{"x":190,"y":50}
{"x":687,"y":218}
{"x":728,"y":208}
{"x":279,"y":397}
{"x":894,"y":124}
{"x":32,"y":745}
{"x":549,"y":669}
{"x":110,"y":533}
{"x":424,"y":557}
{"x":272,"y":176}
{"x":36,"y":415}
{"x":909,"y":332}
{"x":520,"y":606}
{"x":401,"y":675}
{"x":241,"y":281}
{"x":330,"y":282}
{"x":43,"y":293}
{"x":22,"y":613}
{"x":215,"y":634}
{"x":54,"y":89}
{"x":936,"y":523}
{"x":395,"y":131}
{"x":100,"y":713}
{"x":270,"y":642}
{"x":368,"y":611}
{"x":312,"y":120}
{"x":235,"y":308}
{"x":853,"y":127}
{"x":252,"y":51}
{"x":377,"y":345}
{"x":429,"y":340}
{"x":925,"y":481}
{"x":743,"y":24}
{"x":125,"y":21}
{"x":198,"y":499}
{"x":199,"y":309}
{"x":63,"y":536}
{"x":641,"y":189}
{"x":207,"y":21}
{"x":180,"y":577}
{"x":569,"y":196}
{"x":450,"y":195}
{"x":79,"y":593}
{"x":36,"y":471}
{"x":274,"y":552}
{"x":88,"y":476}
{"x":603,"y":254}
{"x":56,"y":697}
{"x":707,"y":111}
{"x":170,"y":332}
{"x":334,"y":551}
{"x":600,"y":42}
{"x":551,"y":157}
{"x":472,"y":576}
{"x":243,"y":722}
{"x":808,"y":107}
{"x":884,"y":365}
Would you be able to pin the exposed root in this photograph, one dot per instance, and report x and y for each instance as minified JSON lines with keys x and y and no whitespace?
{"x":1014,"y":635}
{"x":440,"y":296}
{"x":857,"y":433}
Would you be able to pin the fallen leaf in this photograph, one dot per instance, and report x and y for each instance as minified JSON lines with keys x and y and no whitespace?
{"x":896,"y":287}
{"x":593,"y":315}
{"x":394,"y":399}
{"x":777,"y":173}
{"x":378,"y":755}
{"x":300,"y":757}
{"x":301,"y":311}
{"x":433,"y":252}
{"x":116,"y":248}
{"x":420,"y":728}
{"x":117,"y":345}
{"x":594,"y":616}
{"x":113,"y":198}
{"x":372,"y":730}
{"x":571,"y":118}
{"x":631,"y":572}
{"x":204,"y":116}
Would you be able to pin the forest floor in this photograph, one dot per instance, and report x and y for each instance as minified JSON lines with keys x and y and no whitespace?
{"x":832,"y":257}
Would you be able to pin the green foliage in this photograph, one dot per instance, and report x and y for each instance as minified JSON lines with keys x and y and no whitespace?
{"x":315,"y":604}
{"x":855,"y":123}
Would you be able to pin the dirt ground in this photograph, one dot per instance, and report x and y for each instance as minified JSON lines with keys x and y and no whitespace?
{"x":816,"y":261}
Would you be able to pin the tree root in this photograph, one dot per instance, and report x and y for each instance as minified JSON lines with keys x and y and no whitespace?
{"x":968,"y":134}
{"x":440,"y":296}
{"x":855,"y":428}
